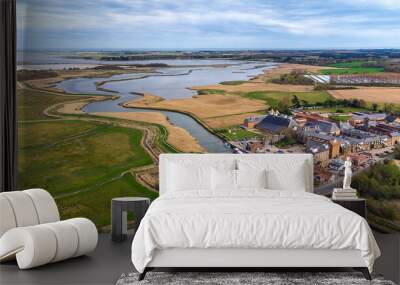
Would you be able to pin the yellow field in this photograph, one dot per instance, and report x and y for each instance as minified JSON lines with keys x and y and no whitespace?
{"x":209,"y":108}
{"x":370,"y":94}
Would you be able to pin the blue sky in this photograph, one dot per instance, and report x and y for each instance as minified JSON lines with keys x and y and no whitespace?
{"x":195,"y":24}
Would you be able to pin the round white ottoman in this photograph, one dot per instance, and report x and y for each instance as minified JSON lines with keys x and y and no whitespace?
{"x":40,"y":244}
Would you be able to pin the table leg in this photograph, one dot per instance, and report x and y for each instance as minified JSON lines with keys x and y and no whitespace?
{"x":116,"y":222}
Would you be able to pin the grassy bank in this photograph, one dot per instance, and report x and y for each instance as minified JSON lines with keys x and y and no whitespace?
{"x":95,"y":204}
{"x":77,"y":159}
{"x":32,"y":103}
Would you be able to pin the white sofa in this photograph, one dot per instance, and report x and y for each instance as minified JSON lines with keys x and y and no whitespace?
{"x":31,"y":231}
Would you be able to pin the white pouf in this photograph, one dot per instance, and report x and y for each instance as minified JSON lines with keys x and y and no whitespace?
{"x":31,"y":230}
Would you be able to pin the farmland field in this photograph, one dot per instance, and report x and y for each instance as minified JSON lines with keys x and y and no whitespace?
{"x":370,"y":94}
{"x":272,"y":98}
{"x":353,"y":67}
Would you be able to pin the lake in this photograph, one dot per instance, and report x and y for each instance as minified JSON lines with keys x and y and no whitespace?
{"x":169,"y":83}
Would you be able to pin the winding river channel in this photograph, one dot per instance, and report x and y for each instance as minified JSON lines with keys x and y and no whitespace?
{"x":169,"y":83}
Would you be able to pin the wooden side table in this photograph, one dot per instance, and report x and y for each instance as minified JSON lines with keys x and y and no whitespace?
{"x":119,"y":213}
{"x":357,"y":205}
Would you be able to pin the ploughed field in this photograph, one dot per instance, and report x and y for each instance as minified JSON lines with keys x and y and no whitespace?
{"x":370,"y":94}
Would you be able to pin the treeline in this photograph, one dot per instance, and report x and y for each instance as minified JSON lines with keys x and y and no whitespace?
{"x":296,"y":77}
{"x":23,"y":75}
{"x":388,"y":66}
{"x":380,"y":181}
{"x":329,"y":103}
{"x":325,"y":87}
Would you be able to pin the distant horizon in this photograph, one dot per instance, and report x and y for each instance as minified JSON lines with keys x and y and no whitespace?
{"x":194,"y":24}
{"x":205,"y":49}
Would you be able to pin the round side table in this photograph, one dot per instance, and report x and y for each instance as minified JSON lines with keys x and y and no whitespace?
{"x":119,"y":212}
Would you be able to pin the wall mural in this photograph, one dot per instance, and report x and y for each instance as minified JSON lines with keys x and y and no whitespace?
{"x":104,"y":87}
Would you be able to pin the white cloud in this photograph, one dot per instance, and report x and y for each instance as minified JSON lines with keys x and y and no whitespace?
{"x":213,"y":20}
{"x":387,"y":4}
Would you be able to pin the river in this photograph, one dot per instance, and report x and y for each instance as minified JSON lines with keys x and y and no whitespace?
{"x":169,"y":83}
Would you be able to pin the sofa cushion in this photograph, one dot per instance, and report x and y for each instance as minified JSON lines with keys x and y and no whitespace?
{"x":7,"y":220}
{"x":23,"y":208}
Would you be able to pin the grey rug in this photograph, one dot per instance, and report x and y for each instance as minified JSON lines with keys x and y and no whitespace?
{"x":233,"y":278}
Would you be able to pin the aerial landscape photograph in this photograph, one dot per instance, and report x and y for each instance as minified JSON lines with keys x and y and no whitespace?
{"x":103,"y":90}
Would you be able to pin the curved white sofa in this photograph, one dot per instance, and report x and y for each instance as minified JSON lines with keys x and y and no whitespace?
{"x":31,"y":230}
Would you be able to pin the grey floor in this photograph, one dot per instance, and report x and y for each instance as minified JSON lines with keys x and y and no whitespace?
{"x":104,"y":266}
{"x":110,"y":260}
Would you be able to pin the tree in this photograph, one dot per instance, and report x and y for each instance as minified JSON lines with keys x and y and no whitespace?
{"x":362,"y":104}
{"x":283,"y":106}
{"x":388,"y":108}
{"x":374,"y":107}
{"x":305,"y":103}
{"x":296,"y":102}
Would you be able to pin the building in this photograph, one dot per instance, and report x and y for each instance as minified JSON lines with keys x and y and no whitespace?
{"x":393,"y":119}
{"x":320,"y":151}
{"x":359,"y":118}
{"x":362,"y":79}
{"x":309,"y":117}
{"x":360,"y":158}
{"x":392,"y":131}
{"x":368,"y":140}
{"x":334,"y":144}
{"x":276,"y":126}
{"x":250,"y":122}
{"x":254,"y":146}
{"x":323,"y":127}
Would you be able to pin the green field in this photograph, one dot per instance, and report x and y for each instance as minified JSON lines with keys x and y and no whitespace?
{"x":352,"y":67}
{"x":32,"y":103}
{"x":234,"y":82}
{"x":81,"y":157}
{"x":210,"y":91}
{"x":95,"y":205}
{"x":236,"y":133}
{"x":272,"y":98}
